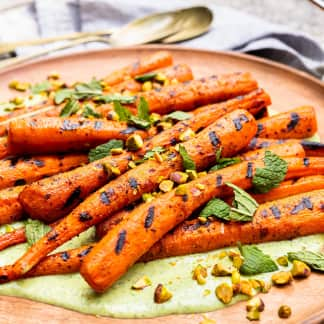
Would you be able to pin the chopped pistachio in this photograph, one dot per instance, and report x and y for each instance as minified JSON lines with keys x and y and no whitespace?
{"x":200,"y":274}
{"x":53,"y":76}
{"x":300,"y":269}
{"x":166,"y":82}
{"x":224,"y":293}
{"x":12,"y":84}
{"x":19,"y":86}
{"x":147,"y":86}
{"x":236,"y":277}
{"x":233,"y":253}
{"x":192,"y":174}
{"x":158,"y":157}
{"x":166,"y":185}
{"x":161,"y":294}
{"x":202,"y":220}
{"x":222,"y":254}
{"x":147,"y":197}
{"x":283,"y":261}
{"x":9,"y":228}
{"x":174,"y":81}
{"x":200,"y":186}
{"x":221,"y":270}
{"x":134,"y":142}
{"x":56,"y":85}
{"x":246,"y":288}
{"x":181,"y":190}
{"x":281,"y":278}
{"x":161,"y":126}
{"x":154,"y":118}
{"x":237,"y":261}
{"x":116,"y":151}
{"x":132,"y":165}
{"x":253,"y":315}
{"x":160,"y":77}
{"x":112,"y":115}
{"x":110,"y":169}
{"x":142,"y":283}
{"x":18,"y":101}
{"x":255,"y":284}
{"x":207,"y":292}
{"x":187,"y":135}
{"x":255,"y":303}
{"x":264,"y":286}
{"x":236,"y":288}
{"x":160,"y":179}
{"x":202,"y":174}
{"x":284,"y":311}
{"x":179,"y":177}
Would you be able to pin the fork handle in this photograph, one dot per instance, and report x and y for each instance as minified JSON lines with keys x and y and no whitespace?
{"x":22,"y":59}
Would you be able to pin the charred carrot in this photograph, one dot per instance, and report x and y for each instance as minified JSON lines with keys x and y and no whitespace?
{"x":52,"y":135}
{"x":193,"y":237}
{"x":292,"y":187}
{"x":282,"y":219}
{"x":192,"y":94}
{"x":143,"y":65}
{"x":19,"y":171}
{"x":119,"y":249}
{"x":298,"y":123}
{"x":311,"y":148}
{"x":130,"y":186}
{"x":17,"y":236}
{"x":10,"y":208}
{"x":69,"y":188}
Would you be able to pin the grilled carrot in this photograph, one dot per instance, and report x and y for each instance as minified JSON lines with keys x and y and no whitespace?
{"x":192,"y":236}
{"x":68,"y":189}
{"x":143,"y":65}
{"x":179,"y":72}
{"x":12,"y":238}
{"x":187,"y":96}
{"x":283,"y":150}
{"x":3,"y":147}
{"x":52,"y":135}
{"x":10,"y":208}
{"x":19,"y":171}
{"x":119,"y":249}
{"x":311,"y":148}
{"x":129,"y":187}
{"x":298,"y":123}
{"x":282,"y":219}
{"x":292,"y":187}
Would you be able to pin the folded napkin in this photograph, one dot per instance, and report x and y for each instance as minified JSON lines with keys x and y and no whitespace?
{"x":231,"y":29}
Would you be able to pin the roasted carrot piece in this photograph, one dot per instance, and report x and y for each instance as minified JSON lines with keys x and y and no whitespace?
{"x":118,"y":250}
{"x":52,"y":135}
{"x":192,"y":94}
{"x":282,"y":219}
{"x":283,"y":150}
{"x":298,"y":123}
{"x":3,"y":147}
{"x":311,"y":148}
{"x":141,"y":66}
{"x":68,"y":189}
{"x":292,"y":187}
{"x":12,"y":238}
{"x":19,"y":171}
{"x":130,"y":186}
{"x":10,"y":208}
{"x":179,"y":72}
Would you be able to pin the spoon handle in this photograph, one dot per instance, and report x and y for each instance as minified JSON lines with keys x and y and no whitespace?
{"x":79,"y":41}
{"x":8,"y":47}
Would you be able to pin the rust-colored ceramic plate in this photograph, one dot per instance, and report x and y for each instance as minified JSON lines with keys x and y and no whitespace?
{"x":288,"y":88}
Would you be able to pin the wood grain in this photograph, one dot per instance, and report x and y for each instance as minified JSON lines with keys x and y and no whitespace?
{"x":288,"y":88}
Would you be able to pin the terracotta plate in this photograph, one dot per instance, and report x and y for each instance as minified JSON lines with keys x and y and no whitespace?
{"x":288,"y":88}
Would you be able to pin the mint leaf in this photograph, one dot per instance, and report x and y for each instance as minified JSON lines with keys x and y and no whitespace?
{"x":87,"y":90}
{"x":313,"y":259}
{"x":35,"y":230}
{"x":187,"y":162}
{"x":143,"y":110}
{"x":178,"y":115}
{"x":123,"y":113}
{"x":244,"y":205}
{"x":40,"y":87}
{"x":103,"y":150}
{"x":217,"y":208}
{"x":71,"y":107}
{"x":138,"y":122}
{"x":255,"y":261}
{"x":62,"y":95}
{"x":115,"y":97}
{"x":225,"y":162}
{"x":271,"y":175}
{"x":146,"y":77}
{"x":150,"y":154}
{"x":88,"y":111}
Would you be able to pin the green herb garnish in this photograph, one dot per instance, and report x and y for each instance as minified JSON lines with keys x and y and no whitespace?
{"x":255,"y":261}
{"x":103,"y":150}
{"x":41,"y":87}
{"x":122,"y":112}
{"x":88,"y":111}
{"x":313,"y":259}
{"x":87,"y":90}
{"x":225,"y":162}
{"x":71,"y":107}
{"x":115,"y":97}
{"x":187,"y":162}
{"x":217,"y":208}
{"x":35,"y":230}
{"x":178,"y":115}
{"x":150,"y":154}
{"x":62,"y":95}
{"x":271,"y":175}
{"x":143,"y":111}
{"x":146,"y":77}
